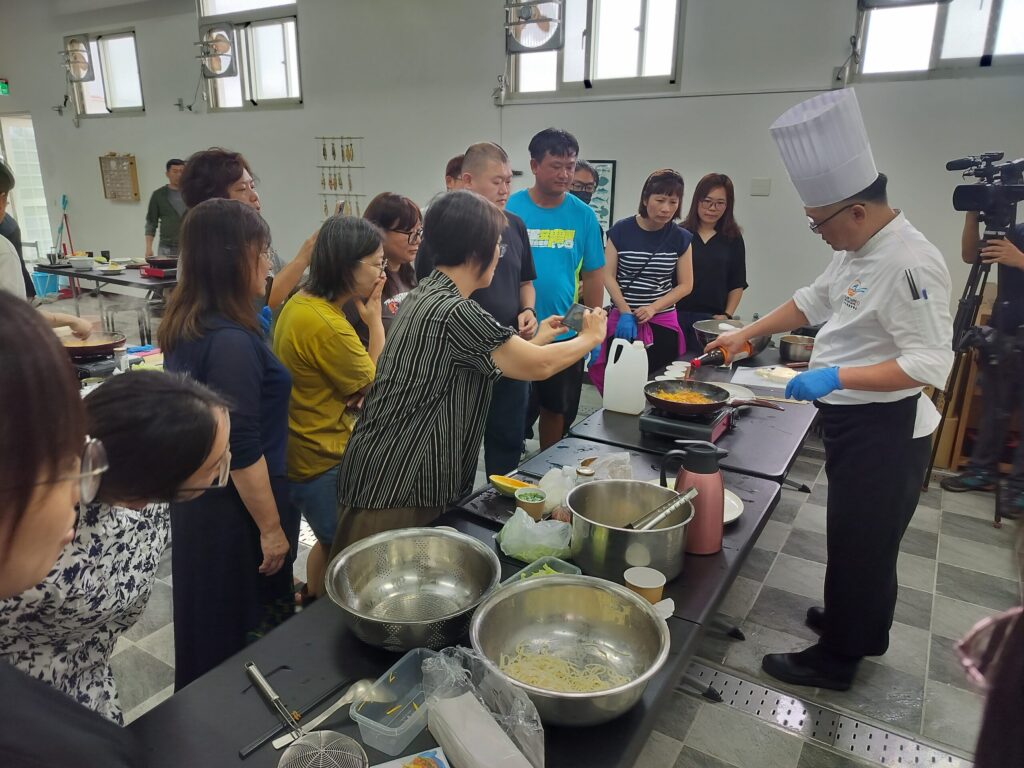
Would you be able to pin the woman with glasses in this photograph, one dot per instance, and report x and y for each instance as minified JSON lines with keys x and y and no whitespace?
{"x":400,"y":220}
{"x":222,"y":173}
{"x":647,"y":269}
{"x":719,"y":257}
{"x":165,"y":438}
{"x":415,"y":446}
{"x":330,"y":368}
{"x":47,"y":464}
{"x":233,"y":549}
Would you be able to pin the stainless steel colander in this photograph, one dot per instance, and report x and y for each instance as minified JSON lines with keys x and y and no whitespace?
{"x":412,"y":588}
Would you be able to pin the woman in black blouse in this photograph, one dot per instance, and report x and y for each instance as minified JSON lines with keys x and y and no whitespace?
{"x":233,"y":549}
{"x":415,"y":447}
{"x":719,"y":257}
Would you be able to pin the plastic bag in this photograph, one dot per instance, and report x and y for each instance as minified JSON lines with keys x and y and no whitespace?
{"x":614,"y":466}
{"x":457,"y":672}
{"x":525,"y":539}
{"x":556,"y":484}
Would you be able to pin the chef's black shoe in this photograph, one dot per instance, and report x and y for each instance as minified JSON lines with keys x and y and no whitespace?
{"x":815,"y":667}
{"x":816,"y":618}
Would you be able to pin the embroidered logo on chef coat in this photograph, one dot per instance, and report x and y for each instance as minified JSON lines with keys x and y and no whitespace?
{"x":853,"y":294}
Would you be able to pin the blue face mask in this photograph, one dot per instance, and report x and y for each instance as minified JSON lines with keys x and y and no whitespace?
{"x":586,"y":197}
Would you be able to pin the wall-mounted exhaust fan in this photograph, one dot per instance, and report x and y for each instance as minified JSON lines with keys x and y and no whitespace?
{"x":534,"y":25}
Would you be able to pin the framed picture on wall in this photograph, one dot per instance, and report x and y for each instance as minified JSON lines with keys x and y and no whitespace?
{"x":604,"y":196}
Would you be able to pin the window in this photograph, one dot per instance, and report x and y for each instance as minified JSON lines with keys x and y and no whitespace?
{"x":610,"y":46}
{"x":27,"y":199}
{"x":251,"y":50}
{"x":104,"y":70}
{"x":960,"y":34}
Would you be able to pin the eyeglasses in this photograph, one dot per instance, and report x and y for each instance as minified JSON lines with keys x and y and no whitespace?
{"x":814,"y":227}
{"x":382,"y":268}
{"x":92,"y":465}
{"x":713,"y":205}
{"x":577,"y":186}
{"x":223,"y":475}
{"x":983,"y":647}
{"x":412,"y":234}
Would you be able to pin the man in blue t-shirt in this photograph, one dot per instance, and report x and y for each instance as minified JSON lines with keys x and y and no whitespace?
{"x":1000,"y":371}
{"x":565,"y":238}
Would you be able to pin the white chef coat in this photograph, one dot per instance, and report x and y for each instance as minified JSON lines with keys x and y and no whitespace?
{"x":865,"y":301}
{"x":11,"y":279}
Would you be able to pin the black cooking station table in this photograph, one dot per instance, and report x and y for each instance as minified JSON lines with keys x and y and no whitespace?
{"x":207,"y":723}
{"x":762,"y":442}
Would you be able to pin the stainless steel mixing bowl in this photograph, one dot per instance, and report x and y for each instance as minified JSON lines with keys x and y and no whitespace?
{"x":708,"y":330}
{"x":580,"y":619}
{"x":603,"y":546}
{"x":412,"y":588}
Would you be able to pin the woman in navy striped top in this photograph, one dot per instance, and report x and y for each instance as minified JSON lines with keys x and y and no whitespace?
{"x":648,"y":268}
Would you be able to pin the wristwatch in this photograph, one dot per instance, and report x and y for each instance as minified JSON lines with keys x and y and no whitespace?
{"x":529,"y":309}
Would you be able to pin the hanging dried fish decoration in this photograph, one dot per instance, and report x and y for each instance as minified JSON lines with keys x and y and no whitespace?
{"x":323,"y":147}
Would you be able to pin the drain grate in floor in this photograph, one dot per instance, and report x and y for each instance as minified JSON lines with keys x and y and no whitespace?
{"x":846,"y":734}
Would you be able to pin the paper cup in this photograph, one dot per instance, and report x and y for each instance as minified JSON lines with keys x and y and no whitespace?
{"x":646,"y":582}
{"x":530,"y":505}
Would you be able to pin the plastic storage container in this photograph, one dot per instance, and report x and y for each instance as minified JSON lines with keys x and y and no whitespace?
{"x":395,"y":710}
{"x":538,"y":565}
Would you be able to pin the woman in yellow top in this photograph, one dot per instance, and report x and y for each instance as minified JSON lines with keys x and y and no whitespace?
{"x":330,"y":369}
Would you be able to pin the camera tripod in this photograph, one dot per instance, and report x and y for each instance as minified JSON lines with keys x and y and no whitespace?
{"x":966,"y":315}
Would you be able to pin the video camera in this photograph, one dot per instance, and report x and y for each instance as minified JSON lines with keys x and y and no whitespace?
{"x":995,"y":196}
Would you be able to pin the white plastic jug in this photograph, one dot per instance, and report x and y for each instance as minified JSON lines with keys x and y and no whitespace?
{"x":625,"y":375}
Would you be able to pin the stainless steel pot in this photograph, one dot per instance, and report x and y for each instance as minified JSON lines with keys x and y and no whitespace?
{"x":796,"y":349}
{"x":709,"y":330}
{"x":582,"y":620}
{"x":603,"y":546}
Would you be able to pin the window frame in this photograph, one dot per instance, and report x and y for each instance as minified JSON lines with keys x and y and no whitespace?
{"x":243,"y":23}
{"x":938,"y":67}
{"x":607,"y":88}
{"x":99,"y":72}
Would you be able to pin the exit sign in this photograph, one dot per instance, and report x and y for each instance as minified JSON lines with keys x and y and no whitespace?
{"x":4,"y":87}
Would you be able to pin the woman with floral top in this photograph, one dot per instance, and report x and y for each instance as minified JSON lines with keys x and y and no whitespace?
{"x":166,"y":438}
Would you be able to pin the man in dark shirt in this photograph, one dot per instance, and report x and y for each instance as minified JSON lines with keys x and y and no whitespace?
{"x":509,"y":299}
{"x":166,"y":209}
{"x":9,"y":227}
{"x":1001,"y":371}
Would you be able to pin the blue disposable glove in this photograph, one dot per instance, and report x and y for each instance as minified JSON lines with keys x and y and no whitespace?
{"x":626,"y":327}
{"x":266,"y":316}
{"x":813,"y":385}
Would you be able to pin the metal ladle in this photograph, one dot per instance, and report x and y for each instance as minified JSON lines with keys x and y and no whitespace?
{"x":309,"y":750}
{"x":357,"y":690}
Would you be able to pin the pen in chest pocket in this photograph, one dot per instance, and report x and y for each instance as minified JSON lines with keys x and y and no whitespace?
{"x":915,"y":293}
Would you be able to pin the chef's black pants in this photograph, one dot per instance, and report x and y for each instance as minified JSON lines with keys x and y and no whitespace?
{"x":875,"y":469}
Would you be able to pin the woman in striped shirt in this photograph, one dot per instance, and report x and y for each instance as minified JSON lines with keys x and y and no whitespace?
{"x":414,"y":449}
{"x":648,"y":268}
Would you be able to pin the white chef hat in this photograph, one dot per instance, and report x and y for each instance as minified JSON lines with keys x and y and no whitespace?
{"x":825,"y":148}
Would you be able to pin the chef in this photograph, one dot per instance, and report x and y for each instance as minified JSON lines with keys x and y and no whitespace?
{"x":884,"y":302}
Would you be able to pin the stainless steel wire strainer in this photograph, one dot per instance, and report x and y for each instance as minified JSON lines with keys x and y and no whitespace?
{"x":320,"y":749}
{"x":324,"y":749}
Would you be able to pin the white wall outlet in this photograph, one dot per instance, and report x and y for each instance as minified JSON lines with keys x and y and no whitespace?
{"x":761,"y":187}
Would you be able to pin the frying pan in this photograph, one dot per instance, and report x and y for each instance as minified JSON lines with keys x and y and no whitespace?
{"x":162,"y":262}
{"x":100,"y":343}
{"x":719,"y":397}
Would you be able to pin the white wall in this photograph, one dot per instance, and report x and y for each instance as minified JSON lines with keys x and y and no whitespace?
{"x":415,"y":77}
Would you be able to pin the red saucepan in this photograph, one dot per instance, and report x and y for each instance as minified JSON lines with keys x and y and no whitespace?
{"x":100,"y":343}
{"x":718,"y":397}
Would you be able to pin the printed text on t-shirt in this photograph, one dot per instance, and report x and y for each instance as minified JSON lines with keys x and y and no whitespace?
{"x":552,"y":238}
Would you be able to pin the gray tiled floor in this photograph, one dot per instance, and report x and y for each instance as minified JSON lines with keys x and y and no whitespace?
{"x":954,"y":569}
